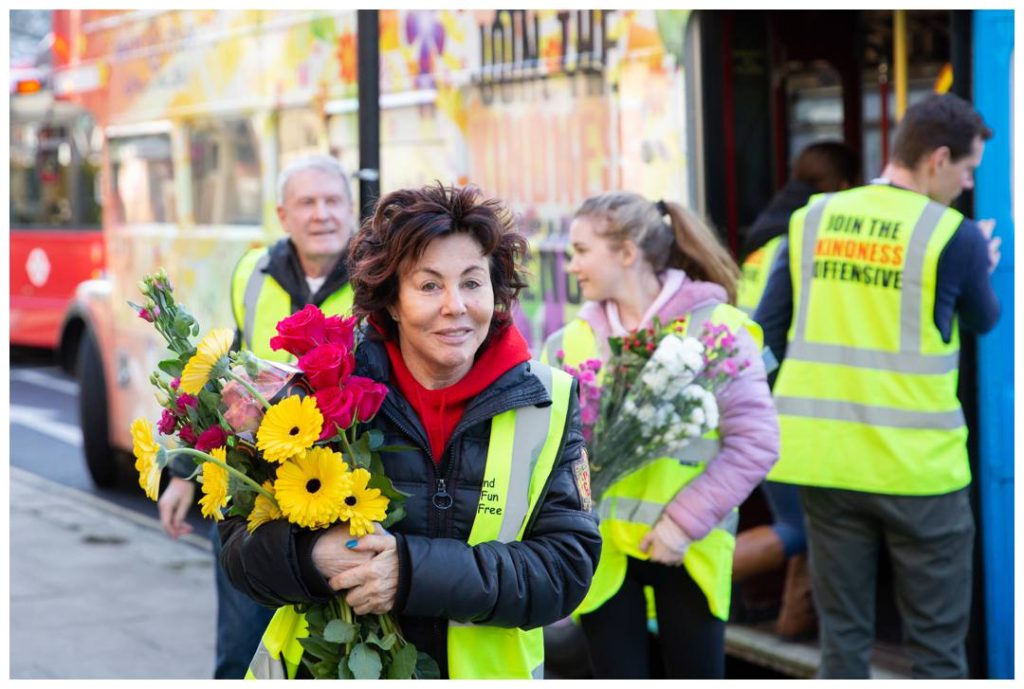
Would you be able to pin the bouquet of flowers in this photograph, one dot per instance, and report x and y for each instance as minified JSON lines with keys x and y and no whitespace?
{"x":271,"y":441}
{"x":657,"y":394}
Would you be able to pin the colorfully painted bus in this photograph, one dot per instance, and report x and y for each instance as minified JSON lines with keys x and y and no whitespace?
{"x":199,"y":110}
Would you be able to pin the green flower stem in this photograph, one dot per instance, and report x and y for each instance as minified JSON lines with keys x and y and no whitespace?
{"x":231,"y":470}
{"x":346,"y":446}
{"x":255,"y":393}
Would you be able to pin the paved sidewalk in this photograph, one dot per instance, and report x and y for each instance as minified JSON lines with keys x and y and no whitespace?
{"x":99,"y":591}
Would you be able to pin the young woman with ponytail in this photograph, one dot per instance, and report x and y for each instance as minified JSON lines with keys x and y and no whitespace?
{"x":635,"y":260}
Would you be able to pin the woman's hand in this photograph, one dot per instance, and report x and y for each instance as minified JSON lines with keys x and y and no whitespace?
{"x":666,"y":543}
{"x":332,"y":556}
{"x":372,"y":586}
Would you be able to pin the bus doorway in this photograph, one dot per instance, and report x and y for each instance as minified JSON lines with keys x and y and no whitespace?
{"x":773,"y":82}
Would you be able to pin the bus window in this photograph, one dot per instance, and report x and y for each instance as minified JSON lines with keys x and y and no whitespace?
{"x":225,"y":173}
{"x":299,"y":133}
{"x":143,"y":176}
{"x":53,"y":172}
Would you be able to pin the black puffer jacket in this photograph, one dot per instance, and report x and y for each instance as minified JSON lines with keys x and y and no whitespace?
{"x":523,"y":584}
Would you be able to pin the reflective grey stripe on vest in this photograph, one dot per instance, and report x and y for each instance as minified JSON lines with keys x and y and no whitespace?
{"x":531,"y":431}
{"x":263,"y":666}
{"x":253,"y":287}
{"x":697,"y":319}
{"x":699,"y":450}
{"x":837,"y":410}
{"x":909,"y":359}
{"x":644,"y":512}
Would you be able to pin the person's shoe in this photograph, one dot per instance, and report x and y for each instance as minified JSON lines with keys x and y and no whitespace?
{"x":757,"y":550}
{"x":797,"y":618}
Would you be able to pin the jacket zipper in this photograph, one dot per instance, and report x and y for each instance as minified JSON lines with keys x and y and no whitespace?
{"x":442,"y":501}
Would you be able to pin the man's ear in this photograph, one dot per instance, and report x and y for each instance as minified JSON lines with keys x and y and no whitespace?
{"x":280,"y":218}
{"x":940,"y":157}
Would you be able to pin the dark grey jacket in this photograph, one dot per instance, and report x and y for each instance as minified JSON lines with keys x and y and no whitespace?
{"x":524,"y":584}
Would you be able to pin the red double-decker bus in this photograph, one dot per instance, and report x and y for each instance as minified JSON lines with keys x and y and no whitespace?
{"x":55,"y":229}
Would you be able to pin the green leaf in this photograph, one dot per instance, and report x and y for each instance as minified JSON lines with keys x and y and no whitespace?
{"x":374,"y":439}
{"x":395,"y":515}
{"x":315,"y":616}
{"x":341,"y":669}
{"x":172,"y":367}
{"x":340,"y":632}
{"x":320,"y":648}
{"x":364,"y":662}
{"x":403,"y":663}
{"x":426,"y":667}
{"x":387,"y":642}
{"x":323,"y":669}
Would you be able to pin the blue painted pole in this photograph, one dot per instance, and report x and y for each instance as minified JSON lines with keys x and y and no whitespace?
{"x":993,"y":42}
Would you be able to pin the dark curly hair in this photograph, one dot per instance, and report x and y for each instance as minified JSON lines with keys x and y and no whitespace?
{"x":406,"y":221}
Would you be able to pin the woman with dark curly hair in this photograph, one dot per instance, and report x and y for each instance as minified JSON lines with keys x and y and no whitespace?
{"x":498,"y":539}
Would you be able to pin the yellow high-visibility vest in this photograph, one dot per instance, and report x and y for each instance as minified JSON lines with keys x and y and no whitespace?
{"x":867,"y":392}
{"x":633,"y":504}
{"x":754,"y":277}
{"x":521,"y":455}
{"x":259,"y":302}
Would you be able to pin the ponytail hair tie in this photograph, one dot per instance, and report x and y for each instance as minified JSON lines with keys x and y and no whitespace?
{"x":662,"y":208}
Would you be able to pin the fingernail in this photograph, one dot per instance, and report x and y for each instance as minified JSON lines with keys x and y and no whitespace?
{"x":353,"y":543}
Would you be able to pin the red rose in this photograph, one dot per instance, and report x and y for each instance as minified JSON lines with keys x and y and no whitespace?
{"x":167,"y":422}
{"x":212,"y":437}
{"x":186,"y":400}
{"x":368,"y":395}
{"x":187,"y":435}
{"x":327,"y":365}
{"x":338,"y":409}
{"x":338,"y":330}
{"x":300,"y":332}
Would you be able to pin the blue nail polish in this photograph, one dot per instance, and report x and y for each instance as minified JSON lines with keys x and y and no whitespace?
{"x":353,"y":543}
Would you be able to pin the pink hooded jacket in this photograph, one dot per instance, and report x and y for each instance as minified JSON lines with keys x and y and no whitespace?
{"x":748,"y":424}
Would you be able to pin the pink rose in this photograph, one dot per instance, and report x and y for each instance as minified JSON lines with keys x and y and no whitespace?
{"x":187,"y":435}
{"x":186,"y":400}
{"x":327,"y":365}
{"x":300,"y":332}
{"x":368,"y":395}
{"x":175,"y":383}
{"x":167,"y":422}
{"x":212,"y":437}
{"x":338,"y":409}
{"x":338,"y":330}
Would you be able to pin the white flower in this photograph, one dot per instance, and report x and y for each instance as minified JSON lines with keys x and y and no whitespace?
{"x":698,"y":416}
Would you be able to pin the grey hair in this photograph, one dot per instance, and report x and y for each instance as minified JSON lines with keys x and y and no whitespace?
{"x":631,"y":216}
{"x":321,"y":162}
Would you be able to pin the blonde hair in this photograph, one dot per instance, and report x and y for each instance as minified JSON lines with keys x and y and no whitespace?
{"x":684,"y":242}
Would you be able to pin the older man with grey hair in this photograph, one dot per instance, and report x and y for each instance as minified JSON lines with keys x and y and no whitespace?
{"x":307,"y":266}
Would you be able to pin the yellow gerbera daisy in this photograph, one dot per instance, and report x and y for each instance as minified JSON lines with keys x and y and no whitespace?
{"x":263,"y":510}
{"x":215,"y":480}
{"x":145,"y":450}
{"x":289,"y":428}
{"x":312,"y":488}
{"x":215,"y":345}
{"x":364,"y":506}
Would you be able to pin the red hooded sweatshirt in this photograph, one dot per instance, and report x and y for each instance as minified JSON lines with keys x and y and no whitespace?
{"x":440,"y":410}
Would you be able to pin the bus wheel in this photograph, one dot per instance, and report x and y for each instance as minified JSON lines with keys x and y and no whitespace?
{"x":92,"y":413}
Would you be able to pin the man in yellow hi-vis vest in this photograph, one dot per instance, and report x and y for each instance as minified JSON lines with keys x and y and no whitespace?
{"x":314,"y":205}
{"x":867,"y":304}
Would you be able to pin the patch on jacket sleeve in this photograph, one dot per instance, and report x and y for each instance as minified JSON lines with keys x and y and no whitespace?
{"x":581,"y":472}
